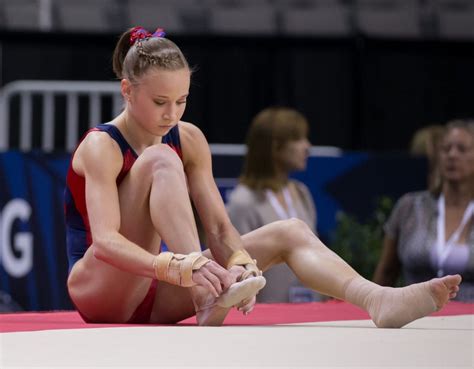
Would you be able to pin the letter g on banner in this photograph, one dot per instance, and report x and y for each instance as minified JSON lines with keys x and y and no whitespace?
{"x":16,"y":266}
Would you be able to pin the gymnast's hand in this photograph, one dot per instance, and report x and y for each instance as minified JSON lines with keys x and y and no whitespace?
{"x":214,"y":278}
{"x":247,"y":305}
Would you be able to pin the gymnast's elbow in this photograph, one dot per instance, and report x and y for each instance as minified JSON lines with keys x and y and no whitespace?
{"x":102,"y":248}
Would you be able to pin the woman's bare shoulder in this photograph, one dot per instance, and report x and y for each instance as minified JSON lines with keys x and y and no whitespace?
{"x":96,"y":147}
{"x":190,"y":131}
{"x":193,"y":143}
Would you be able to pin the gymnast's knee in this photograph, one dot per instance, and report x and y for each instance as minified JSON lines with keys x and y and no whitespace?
{"x":159,"y":158}
{"x":294,"y":230}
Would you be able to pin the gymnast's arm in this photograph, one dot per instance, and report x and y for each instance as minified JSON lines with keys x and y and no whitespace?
{"x":223,"y":239}
{"x":99,"y":160}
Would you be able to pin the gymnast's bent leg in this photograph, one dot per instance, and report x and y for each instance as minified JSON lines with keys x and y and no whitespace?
{"x":172,"y":217}
{"x":154,"y":204}
{"x":319,"y":268}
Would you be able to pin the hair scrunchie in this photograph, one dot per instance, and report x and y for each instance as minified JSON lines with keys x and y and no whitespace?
{"x":140,"y":33}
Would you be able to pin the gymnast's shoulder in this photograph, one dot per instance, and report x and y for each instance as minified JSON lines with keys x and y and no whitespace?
{"x":190,"y":132}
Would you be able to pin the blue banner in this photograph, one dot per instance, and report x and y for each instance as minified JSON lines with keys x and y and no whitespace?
{"x":32,"y":252}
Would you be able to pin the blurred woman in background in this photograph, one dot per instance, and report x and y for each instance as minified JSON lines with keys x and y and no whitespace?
{"x":277,"y":144}
{"x":431,"y":233}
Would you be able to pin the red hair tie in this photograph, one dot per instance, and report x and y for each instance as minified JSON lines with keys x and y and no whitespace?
{"x":140,"y":33}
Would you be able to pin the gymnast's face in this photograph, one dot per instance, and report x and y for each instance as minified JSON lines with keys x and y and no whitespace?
{"x":158,"y":100}
{"x":294,"y":154}
{"x":457,"y":155}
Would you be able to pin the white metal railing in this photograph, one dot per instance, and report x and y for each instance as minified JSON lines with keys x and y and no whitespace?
{"x":94,"y":91}
{"x":240,"y":150}
{"x":45,"y":14}
{"x":48,"y":90}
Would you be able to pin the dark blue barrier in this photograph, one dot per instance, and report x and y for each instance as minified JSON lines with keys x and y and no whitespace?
{"x":33,"y":263}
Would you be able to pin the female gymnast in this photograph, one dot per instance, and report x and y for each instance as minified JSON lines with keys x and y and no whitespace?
{"x":129,"y":187}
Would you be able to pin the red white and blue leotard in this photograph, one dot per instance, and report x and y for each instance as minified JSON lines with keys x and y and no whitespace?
{"x":78,"y":234}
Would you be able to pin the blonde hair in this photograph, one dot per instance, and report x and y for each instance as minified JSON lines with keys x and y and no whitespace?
{"x":269,"y":131}
{"x":466,"y":124}
{"x":133,"y":61}
{"x":426,"y":142}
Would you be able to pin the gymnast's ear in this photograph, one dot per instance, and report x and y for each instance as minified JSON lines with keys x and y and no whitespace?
{"x":126,"y":88}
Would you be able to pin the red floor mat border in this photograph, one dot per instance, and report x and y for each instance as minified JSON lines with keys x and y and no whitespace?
{"x":263,"y":314}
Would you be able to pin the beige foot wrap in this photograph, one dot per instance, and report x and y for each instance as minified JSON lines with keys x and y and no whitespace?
{"x":213,"y":311}
{"x":242,"y":257}
{"x":391,"y":307}
{"x":240,"y":291}
{"x":177,"y":268}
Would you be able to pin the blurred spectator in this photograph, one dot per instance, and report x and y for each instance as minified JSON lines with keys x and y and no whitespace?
{"x":431,"y":233}
{"x":277,"y":144}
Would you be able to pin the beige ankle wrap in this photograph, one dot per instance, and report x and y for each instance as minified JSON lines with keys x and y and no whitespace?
{"x":178,"y":268}
{"x":391,"y":307}
{"x":242,"y":257}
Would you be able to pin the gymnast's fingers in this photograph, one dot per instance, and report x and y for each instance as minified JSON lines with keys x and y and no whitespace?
{"x":201,"y":280}
{"x":213,"y":279}
{"x":226,"y":279}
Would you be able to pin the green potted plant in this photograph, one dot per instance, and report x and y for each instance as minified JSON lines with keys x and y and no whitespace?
{"x":360,"y":243}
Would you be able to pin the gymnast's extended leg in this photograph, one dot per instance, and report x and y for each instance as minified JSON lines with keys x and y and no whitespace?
{"x":319,"y":268}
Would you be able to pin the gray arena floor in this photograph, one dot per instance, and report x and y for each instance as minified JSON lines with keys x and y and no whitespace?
{"x":432,"y":342}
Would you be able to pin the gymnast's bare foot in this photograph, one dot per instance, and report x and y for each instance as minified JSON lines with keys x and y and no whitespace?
{"x":445,"y":288}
